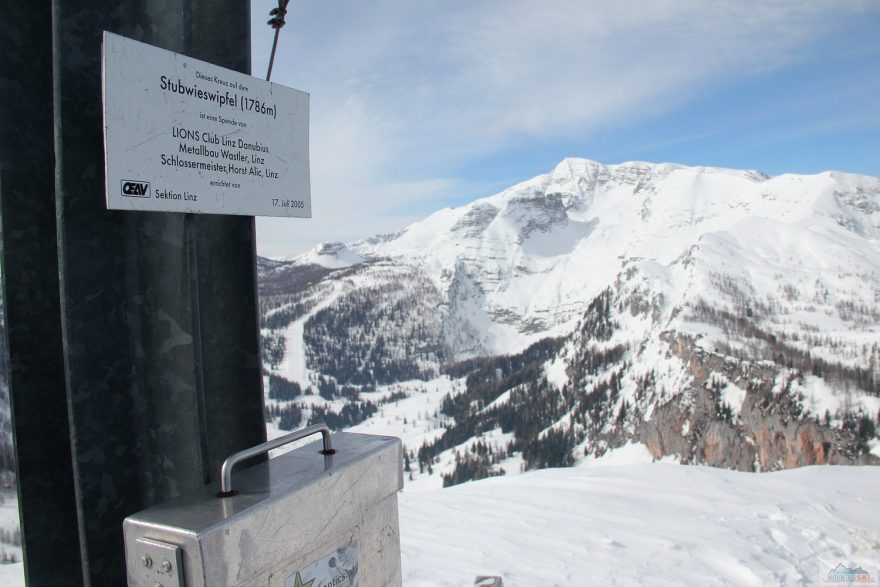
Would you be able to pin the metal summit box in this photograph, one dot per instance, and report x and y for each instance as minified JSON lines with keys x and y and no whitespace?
{"x":309,"y":517}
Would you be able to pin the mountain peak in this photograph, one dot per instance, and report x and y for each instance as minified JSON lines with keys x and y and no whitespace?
{"x":570,"y":166}
{"x":656,"y":303}
{"x":332,"y":255}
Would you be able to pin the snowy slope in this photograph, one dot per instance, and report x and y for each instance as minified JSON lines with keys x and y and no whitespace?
{"x":648,"y":524}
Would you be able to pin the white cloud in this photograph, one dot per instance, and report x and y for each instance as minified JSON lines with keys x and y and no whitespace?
{"x":402,"y":92}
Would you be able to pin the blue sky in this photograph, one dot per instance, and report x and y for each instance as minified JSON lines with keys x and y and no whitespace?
{"x":419,"y":105}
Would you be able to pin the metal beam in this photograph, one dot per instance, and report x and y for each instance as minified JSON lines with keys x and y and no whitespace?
{"x":158,"y":329}
{"x":30,"y":274}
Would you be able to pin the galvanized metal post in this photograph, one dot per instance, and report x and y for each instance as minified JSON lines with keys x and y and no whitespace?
{"x":158,"y":325}
{"x":31,"y":298}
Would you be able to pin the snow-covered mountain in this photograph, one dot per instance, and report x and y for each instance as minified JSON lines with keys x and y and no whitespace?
{"x":714,"y":315}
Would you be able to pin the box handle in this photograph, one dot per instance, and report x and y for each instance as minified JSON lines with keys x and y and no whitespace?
{"x":226,"y":489}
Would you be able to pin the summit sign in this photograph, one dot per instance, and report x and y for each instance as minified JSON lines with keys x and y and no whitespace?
{"x":182,"y":135}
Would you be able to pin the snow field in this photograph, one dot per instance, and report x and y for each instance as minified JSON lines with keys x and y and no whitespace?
{"x":9,"y":521}
{"x":12,"y":575}
{"x":644,"y":524}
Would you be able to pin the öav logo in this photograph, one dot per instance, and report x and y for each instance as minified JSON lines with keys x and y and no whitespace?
{"x":135,"y":189}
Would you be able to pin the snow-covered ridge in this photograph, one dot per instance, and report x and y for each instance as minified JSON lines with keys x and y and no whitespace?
{"x":333,"y":255}
{"x":648,"y":524}
{"x":715,"y":316}
{"x":537,"y":252}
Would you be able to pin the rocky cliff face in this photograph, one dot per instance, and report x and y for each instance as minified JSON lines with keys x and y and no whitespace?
{"x":769,"y":431}
{"x":764,"y":404}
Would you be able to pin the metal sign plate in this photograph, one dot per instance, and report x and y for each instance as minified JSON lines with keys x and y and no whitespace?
{"x":182,"y":135}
